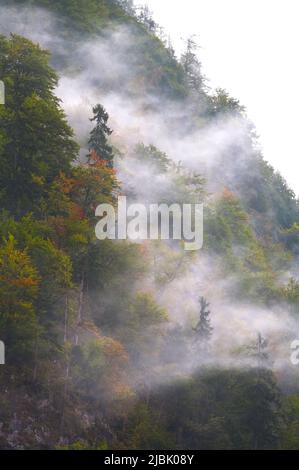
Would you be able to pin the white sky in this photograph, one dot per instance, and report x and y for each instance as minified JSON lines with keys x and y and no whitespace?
{"x":250,"y":48}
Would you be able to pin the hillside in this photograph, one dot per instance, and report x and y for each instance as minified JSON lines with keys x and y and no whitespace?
{"x":123,"y":344}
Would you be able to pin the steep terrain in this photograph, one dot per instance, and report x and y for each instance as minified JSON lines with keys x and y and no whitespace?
{"x":116,"y":344}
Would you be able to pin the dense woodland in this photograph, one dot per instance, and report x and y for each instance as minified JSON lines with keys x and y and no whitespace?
{"x":106,"y":345}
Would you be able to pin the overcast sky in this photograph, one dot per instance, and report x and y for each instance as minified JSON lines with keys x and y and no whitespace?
{"x":249,"y":47}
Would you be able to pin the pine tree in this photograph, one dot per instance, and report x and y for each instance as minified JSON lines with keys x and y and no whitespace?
{"x":261,"y":351}
{"x":192,"y":67}
{"x":258,"y":351}
{"x":98,"y":142}
{"x":203,"y":328}
{"x":128,"y":6}
{"x":146,"y":18}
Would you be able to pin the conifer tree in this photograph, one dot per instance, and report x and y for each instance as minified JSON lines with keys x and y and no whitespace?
{"x":192,"y":67}
{"x":261,"y":351}
{"x":203,"y":328}
{"x":145,"y":16}
{"x":128,"y":6}
{"x":98,"y":142}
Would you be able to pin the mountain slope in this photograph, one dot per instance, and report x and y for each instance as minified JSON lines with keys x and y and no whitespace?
{"x":107,"y":340}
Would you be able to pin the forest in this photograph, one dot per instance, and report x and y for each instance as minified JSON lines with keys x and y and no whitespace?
{"x":121,"y":344}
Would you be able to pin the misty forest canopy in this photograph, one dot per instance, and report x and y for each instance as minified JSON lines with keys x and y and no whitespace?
{"x":120,"y":344}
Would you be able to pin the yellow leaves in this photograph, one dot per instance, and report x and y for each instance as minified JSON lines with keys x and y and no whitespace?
{"x":146,"y":312}
{"x":65,"y":184}
{"x":116,"y":360}
{"x":15,"y":265}
{"x":19,"y":281}
{"x":106,"y":362}
{"x":38,"y":180}
{"x":114,"y":350}
{"x":291,"y":292}
{"x":78,"y":239}
{"x":294,"y":230}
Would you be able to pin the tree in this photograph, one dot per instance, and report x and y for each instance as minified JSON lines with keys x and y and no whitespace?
{"x":141,"y":330}
{"x":19,"y":285}
{"x":263,"y":413}
{"x":99,"y":367}
{"x":261,"y":353}
{"x":128,"y":6}
{"x":35,"y":139}
{"x":192,"y":67}
{"x":258,"y":350}
{"x":203,"y":328}
{"x":290,"y":432}
{"x":221,"y":103}
{"x":86,"y":187}
{"x":98,"y":143}
{"x":150,"y":155}
{"x":146,"y":18}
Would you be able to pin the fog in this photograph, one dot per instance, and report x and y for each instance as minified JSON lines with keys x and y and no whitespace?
{"x":102,"y":71}
{"x":247,"y":48}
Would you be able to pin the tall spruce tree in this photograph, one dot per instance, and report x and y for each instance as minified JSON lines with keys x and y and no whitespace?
{"x":261,"y":353}
{"x":98,"y":142}
{"x":192,"y":67}
{"x":203,"y":328}
{"x":146,"y":18}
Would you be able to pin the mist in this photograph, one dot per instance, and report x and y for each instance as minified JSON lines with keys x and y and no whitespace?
{"x":105,"y":71}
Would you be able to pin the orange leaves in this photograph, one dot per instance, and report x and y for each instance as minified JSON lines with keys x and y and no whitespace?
{"x":76,"y":212}
{"x":115,"y":351}
{"x":228,"y":195}
{"x":116,"y":359}
{"x":97,"y":161}
{"x":19,"y":280}
{"x":65,"y":184}
{"x":104,"y":366}
{"x":23,"y":282}
{"x":89,"y":185}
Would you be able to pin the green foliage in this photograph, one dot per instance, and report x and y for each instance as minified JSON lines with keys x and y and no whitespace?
{"x":221,"y":104}
{"x":145,"y":431}
{"x":290,"y":237}
{"x":145,"y":312}
{"x":203,"y":328}
{"x":290,"y":433}
{"x":52,"y":264}
{"x":152,"y":157}
{"x":98,"y":145}
{"x":84,"y":16}
{"x":98,"y":368}
{"x":81,"y":319}
{"x":192,"y":67}
{"x":222,"y":410}
{"x":230,"y":234}
{"x":19,"y":285}
{"x":141,"y":327}
{"x":36,"y":142}
{"x":290,"y":293}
